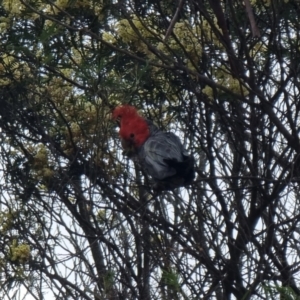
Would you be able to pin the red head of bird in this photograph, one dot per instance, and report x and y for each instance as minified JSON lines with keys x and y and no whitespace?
{"x":134,"y":129}
{"x":124,"y":113}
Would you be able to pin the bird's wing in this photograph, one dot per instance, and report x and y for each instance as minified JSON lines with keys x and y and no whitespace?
{"x":157,"y":150}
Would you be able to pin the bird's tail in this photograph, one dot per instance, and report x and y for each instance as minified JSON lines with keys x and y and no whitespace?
{"x":183,"y":168}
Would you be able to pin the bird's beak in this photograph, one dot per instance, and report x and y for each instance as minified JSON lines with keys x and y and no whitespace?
{"x":118,"y":121}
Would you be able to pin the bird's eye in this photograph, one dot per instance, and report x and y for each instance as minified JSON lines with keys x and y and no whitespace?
{"x":131,"y":135}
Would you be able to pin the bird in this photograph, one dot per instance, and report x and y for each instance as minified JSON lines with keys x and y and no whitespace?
{"x":160,"y":154}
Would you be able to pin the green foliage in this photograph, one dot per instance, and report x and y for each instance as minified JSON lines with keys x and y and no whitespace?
{"x":284,"y":292}
{"x":109,"y":280}
{"x":171,"y":279}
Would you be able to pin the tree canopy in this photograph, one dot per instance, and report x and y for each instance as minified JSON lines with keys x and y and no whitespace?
{"x":79,"y":220}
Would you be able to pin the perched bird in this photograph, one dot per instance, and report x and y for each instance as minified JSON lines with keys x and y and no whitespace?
{"x":160,"y":154}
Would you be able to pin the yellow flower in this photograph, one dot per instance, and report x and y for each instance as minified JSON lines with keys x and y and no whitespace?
{"x":14,"y":7}
{"x":19,"y":253}
{"x":208,"y":91}
{"x":108,"y":37}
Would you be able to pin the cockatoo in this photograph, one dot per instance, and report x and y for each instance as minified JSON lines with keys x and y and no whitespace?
{"x":160,"y":154}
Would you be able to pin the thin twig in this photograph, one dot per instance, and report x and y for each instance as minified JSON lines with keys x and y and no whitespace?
{"x":254,"y":28}
{"x":172,"y":24}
